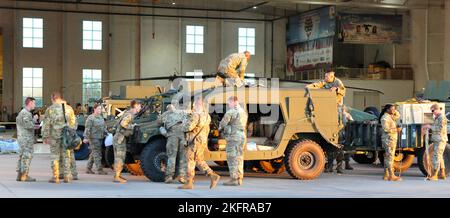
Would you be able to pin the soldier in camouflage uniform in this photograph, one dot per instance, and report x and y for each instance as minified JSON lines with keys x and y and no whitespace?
{"x":124,"y":129}
{"x":72,"y":161}
{"x":340,"y":155}
{"x":25,"y":138}
{"x":52,"y":134}
{"x":197,"y":138}
{"x":334,"y":85}
{"x":233,"y":126}
{"x":389,"y":137}
{"x":94,"y":133}
{"x":172,"y":120}
{"x":233,"y":69}
{"x":439,"y":139}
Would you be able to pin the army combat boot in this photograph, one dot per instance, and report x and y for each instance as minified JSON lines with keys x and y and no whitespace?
{"x":386,"y":176}
{"x":434,"y":175}
{"x":168,"y":179}
{"x":55,"y":177}
{"x":329,"y":168}
{"x":26,"y":178}
{"x":214,"y":177}
{"x":118,"y":178}
{"x":392,"y":176}
{"x":188,"y":185}
{"x":442,"y":174}
{"x":182,"y":180}
{"x":67,"y":179}
{"x":89,"y":171}
{"x":232,"y":182}
{"x":19,"y":175}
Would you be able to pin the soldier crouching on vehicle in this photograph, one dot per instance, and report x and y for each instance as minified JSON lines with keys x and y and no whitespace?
{"x":25,"y":138}
{"x":124,"y":129}
{"x":197,"y":138}
{"x":94,"y":133}
{"x":389,"y":118}
{"x":439,"y":139}
{"x":233,"y":126}
{"x":171,"y":122}
{"x":52,"y":134}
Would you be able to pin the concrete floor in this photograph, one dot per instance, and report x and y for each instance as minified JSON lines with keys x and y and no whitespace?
{"x":364,"y":181}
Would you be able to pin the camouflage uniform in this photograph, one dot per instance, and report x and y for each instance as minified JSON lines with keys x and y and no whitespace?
{"x":176,"y":142}
{"x":94,"y":131}
{"x":25,"y":138}
{"x":52,"y":131}
{"x":389,"y":140}
{"x":234,"y":125}
{"x":340,"y":94}
{"x":439,"y":140}
{"x":233,"y":67}
{"x":198,"y":130}
{"x":125,"y":129}
{"x":72,"y":166}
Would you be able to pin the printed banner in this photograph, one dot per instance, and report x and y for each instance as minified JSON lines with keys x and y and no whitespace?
{"x":370,"y":28}
{"x":309,"y":55}
{"x":311,"y":25}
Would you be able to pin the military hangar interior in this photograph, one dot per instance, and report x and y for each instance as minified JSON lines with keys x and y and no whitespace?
{"x":384,"y":51}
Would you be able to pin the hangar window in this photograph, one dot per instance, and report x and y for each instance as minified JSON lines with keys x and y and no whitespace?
{"x":246,"y":40}
{"x":194,"y":39}
{"x":91,"y":91}
{"x":33,"y":33}
{"x":92,"y":35}
{"x":32,"y":84}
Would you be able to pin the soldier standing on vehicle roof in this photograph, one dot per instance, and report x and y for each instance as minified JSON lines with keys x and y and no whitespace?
{"x":94,"y":133}
{"x":72,"y":161}
{"x":231,"y":70}
{"x":389,"y":118}
{"x":233,"y":126}
{"x":52,"y":134}
{"x":439,"y":139}
{"x":124,"y":129}
{"x":172,"y":122}
{"x":197,"y":137}
{"x":25,"y":138}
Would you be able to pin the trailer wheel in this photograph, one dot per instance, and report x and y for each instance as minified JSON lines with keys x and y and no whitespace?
{"x":154,"y":159}
{"x":305,"y":160}
{"x":422,"y":159}
{"x":368,"y":158}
